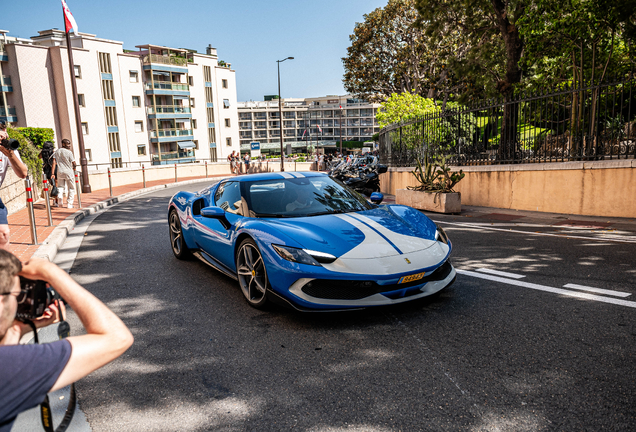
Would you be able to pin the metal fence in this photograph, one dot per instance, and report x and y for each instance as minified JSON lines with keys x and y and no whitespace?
{"x":568,"y":124}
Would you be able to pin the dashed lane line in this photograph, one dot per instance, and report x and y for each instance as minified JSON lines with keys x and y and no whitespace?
{"x":546,"y":288}
{"x":500,"y":273}
{"x":597,"y":290}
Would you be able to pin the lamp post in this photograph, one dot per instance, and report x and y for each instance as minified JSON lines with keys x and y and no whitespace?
{"x":280,"y":113}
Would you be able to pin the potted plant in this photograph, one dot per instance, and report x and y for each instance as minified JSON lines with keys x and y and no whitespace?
{"x":435,"y":189}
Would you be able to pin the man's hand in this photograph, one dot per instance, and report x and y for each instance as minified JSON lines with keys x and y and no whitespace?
{"x":38,"y":269}
{"x":51,"y":315}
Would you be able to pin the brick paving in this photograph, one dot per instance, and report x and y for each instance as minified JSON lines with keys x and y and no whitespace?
{"x":21,"y":243}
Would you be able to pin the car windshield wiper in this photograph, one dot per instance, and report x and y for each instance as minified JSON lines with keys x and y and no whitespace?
{"x":334,"y":211}
{"x":271,"y":215}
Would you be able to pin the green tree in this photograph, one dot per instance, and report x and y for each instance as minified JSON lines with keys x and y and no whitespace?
{"x":390,"y":53}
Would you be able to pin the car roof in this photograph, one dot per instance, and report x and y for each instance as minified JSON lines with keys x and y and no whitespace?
{"x":277,"y":175}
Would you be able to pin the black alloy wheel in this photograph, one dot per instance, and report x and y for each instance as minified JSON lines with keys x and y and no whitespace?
{"x":251,"y":273}
{"x":179,"y":248}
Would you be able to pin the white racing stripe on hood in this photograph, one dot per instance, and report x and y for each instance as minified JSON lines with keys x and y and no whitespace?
{"x":373,"y":245}
{"x":286,"y":175}
{"x":404,"y":243}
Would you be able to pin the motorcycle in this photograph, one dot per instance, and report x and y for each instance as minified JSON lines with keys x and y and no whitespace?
{"x":360,"y":174}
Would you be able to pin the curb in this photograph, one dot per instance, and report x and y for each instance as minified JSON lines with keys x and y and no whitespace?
{"x":49,"y":248}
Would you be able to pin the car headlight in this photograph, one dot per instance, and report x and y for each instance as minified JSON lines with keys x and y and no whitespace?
{"x":440,"y":235}
{"x":303,"y":256}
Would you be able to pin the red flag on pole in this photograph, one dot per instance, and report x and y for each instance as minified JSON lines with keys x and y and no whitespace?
{"x":69,"y":21}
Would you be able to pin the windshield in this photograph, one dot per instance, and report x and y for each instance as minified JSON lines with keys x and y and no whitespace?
{"x":298,"y":197}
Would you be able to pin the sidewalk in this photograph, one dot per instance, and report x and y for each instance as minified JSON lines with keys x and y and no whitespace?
{"x":21,"y":244}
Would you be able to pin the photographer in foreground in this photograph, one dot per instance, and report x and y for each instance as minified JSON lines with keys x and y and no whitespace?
{"x":7,"y":157}
{"x":29,"y":372}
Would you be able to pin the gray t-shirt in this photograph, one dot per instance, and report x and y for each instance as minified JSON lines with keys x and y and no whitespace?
{"x":65,"y":159}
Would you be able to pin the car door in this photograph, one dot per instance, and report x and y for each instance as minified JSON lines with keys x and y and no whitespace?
{"x":213,"y":236}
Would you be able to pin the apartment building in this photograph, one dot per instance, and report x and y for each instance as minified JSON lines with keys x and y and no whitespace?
{"x":155,"y":105}
{"x":307,"y":122}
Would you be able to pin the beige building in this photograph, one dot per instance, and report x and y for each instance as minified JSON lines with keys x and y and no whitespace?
{"x":318,"y":121}
{"x":154,"y":105}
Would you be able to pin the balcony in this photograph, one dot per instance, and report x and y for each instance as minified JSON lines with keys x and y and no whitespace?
{"x":161,"y":133}
{"x":167,"y":85}
{"x":168,"y":109}
{"x":8,"y":115}
{"x":166,"y":60}
{"x":181,"y":156}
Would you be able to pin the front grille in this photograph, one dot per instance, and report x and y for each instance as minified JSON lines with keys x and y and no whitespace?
{"x":355,"y":290}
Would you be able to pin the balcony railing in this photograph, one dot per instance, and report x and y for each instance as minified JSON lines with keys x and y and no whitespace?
{"x":6,"y":80}
{"x":167,"y":85}
{"x":169,"y":109}
{"x":182,"y":154}
{"x":4,"y":111}
{"x":161,"y":133}
{"x":167,"y":60}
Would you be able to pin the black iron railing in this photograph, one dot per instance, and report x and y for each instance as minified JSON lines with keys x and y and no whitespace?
{"x":568,"y":124}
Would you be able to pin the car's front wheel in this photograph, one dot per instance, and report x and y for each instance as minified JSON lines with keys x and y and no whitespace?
{"x":179,"y":248}
{"x":251,"y":273}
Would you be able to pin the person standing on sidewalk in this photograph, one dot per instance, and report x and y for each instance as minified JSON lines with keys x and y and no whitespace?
{"x":65,"y":163}
{"x":7,"y":157}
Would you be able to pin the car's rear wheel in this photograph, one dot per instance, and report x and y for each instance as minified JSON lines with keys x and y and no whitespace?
{"x":251,"y":273}
{"x":179,"y":248}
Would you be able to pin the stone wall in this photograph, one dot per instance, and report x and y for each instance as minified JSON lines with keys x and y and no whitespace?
{"x":13,"y":192}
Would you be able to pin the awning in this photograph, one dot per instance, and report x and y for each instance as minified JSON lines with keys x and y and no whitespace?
{"x":180,"y":97}
{"x":186,"y":144}
{"x":161,"y":73}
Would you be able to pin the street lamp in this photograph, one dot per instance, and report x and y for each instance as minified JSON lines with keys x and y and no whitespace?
{"x":280,"y":113}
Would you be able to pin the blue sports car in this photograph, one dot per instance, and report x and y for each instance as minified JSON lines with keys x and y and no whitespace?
{"x":308,"y":241}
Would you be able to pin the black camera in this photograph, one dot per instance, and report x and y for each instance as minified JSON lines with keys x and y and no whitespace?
{"x":33,"y":300}
{"x":10,"y":143}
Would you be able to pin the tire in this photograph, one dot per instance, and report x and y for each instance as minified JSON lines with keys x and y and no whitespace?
{"x":251,"y":274}
{"x":177,"y":244}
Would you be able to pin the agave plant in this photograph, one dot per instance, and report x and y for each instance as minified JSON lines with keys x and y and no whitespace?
{"x":433,"y":175}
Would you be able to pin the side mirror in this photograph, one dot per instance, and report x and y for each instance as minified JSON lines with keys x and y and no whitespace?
{"x":376,"y":197}
{"x":213,"y":212}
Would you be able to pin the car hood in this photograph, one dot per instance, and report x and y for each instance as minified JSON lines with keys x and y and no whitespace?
{"x":380,"y":232}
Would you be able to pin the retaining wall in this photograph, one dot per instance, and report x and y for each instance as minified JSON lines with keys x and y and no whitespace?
{"x":599,"y":188}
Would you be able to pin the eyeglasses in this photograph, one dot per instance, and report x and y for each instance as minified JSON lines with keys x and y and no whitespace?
{"x":20,"y":296}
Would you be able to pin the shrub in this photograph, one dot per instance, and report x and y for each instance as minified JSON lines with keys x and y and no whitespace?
{"x":37,"y":136}
{"x":28,"y":153}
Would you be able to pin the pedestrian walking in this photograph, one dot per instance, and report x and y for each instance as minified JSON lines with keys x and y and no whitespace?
{"x":247,"y":163}
{"x":64,"y":161}
{"x":46,"y":154}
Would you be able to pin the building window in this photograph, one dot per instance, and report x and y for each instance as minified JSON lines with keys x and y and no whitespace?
{"x":191,"y":102}
{"x":227,"y":122}
{"x":84,"y":128}
{"x":141,"y":150}
{"x":226,"y":103}
{"x":134,"y":76}
{"x":136,"y":101}
{"x":80,"y":100}
{"x":228,"y":141}
{"x":194,"y":123}
{"x":190,"y":81}
{"x":89,"y":155}
{"x":78,"y":71}
{"x":224,"y":83}
{"x":139,"y":126}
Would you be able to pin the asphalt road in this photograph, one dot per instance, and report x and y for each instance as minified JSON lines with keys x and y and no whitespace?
{"x":517,"y":352}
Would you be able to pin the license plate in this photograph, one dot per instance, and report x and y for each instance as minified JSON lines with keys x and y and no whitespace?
{"x":411,"y":278}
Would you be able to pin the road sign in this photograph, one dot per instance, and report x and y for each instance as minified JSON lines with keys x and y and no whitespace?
{"x":255,"y":149}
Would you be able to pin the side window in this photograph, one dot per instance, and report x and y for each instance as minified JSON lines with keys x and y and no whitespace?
{"x":228,"y":197}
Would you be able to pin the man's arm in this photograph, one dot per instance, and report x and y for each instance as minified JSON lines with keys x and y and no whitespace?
{"x":18,"y":166}
{"x":107,"y":336}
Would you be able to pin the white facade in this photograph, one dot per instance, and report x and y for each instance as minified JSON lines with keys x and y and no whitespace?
{"x":307,"y":121}
{"x":148,"y":106}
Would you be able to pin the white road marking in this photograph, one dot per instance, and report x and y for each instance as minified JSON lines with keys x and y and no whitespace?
{"x":500,"y":273}
{"x":585,"y":296}
{"x":597,"y":290}
{"x":604,"y":239}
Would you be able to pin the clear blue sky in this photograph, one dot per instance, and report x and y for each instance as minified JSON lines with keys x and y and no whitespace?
{"x":251,"y":35}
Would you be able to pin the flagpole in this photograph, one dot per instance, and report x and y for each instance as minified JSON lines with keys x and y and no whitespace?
{"x":86,"y":187}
